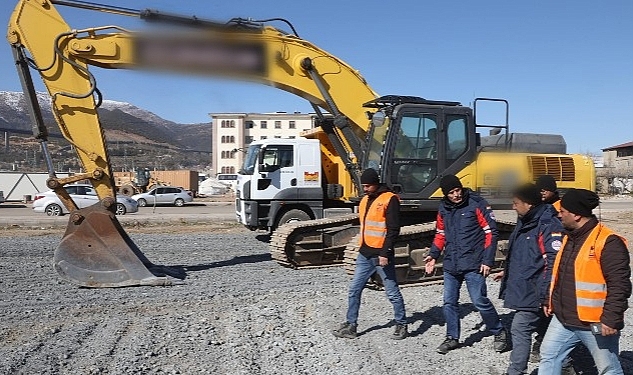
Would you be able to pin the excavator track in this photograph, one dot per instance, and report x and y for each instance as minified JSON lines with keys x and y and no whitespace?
{"x":314,"y":243}
{"x":412,"y":246}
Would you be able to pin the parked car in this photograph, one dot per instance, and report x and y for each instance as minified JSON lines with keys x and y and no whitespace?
{"x":164,"y":195}
{"x":84,"y":195}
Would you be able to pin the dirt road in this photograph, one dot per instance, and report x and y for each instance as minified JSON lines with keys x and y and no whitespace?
{"x":238,"y":312}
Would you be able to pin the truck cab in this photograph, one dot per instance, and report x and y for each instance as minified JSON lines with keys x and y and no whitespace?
{"x":280,"y":181}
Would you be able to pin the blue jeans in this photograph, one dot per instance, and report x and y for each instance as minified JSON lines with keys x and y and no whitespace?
{"x":560,"y":340}
{"x":523,"y":324}
{"x":365,"y":267}
{"x":476,"y":284}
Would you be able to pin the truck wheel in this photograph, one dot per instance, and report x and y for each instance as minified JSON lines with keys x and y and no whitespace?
{"x":53,"y":210}
{"x":142,"y":202}
{"x":293,"y":216}
{"x":120,"y":209}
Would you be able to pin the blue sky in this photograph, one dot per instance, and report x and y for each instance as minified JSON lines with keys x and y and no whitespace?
{"x":565,"y":66}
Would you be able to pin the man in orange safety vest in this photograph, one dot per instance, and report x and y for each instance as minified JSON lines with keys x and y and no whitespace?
{"x":589,"y":290}
{"x":379,"y":227}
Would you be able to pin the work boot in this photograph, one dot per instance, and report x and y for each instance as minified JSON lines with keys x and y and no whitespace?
{"x":400,"y":332}
{"x":501,"y":343}
{"x":448,"y":345}
{"x":346,"y":330}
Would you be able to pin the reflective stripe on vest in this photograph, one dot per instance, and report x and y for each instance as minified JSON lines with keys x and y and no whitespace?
{"x":372,"y":220}
{"x":591,"y":287}
{"x":557,"y":205}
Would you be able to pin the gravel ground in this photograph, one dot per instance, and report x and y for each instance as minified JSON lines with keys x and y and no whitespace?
{"x":237,"y":313}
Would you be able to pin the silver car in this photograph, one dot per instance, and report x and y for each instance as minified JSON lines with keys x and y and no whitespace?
{"x":84,"y":195}
{"x":164,"y":195}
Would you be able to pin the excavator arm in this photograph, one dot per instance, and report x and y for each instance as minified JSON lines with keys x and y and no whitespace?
{"x":95,"y":250}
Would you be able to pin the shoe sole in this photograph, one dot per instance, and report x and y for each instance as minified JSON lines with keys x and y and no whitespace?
{"x":341,"y":336}
{"x":446,"y":351}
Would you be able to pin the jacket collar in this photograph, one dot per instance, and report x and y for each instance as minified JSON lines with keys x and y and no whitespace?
{"x":583,"y":231}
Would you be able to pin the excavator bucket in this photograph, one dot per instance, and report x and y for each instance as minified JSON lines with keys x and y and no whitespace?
{"x":96,"y":252}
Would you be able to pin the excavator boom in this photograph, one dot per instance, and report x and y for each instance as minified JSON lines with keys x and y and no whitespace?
{"x":95,"y":250}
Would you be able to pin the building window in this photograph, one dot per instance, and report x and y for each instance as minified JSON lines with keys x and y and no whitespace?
{"x":263,"y":124}
{"x":223,"y":140}
{"x":231,"y":139}
{"x":223,"y":124}
{"x":232,"y":155}
{"x":263,"y":137}
{"x":248,"y":139}
{"x":232,"y":123}
{"x":292,"y":125}
{"x":277,"y":124}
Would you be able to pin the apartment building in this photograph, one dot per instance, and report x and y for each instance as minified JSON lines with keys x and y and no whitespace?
{"x":234,"y":132}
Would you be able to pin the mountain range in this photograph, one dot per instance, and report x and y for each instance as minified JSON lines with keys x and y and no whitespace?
{"x":122,"y":122}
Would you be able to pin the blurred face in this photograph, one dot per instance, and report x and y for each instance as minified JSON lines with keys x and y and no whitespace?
{"x":546,"y":195}
{"x":520,"y":207}
{"x":369,"y":188}
{"x":456,"y":195}
{"x":570,"y":220}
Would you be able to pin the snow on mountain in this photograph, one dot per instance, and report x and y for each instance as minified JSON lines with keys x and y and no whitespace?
{"x":15,"y":100}
{"x":135,"y":111}
{"x":121,"y":117}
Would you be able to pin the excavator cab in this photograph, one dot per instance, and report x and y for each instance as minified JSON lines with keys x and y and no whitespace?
{"x":418,"y":141}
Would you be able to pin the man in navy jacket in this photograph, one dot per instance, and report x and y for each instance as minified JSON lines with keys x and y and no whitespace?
{"x":466,"y":233}
{"x":528,"y":270}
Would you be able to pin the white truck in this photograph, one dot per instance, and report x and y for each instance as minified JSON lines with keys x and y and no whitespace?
{"x":281,"y":181}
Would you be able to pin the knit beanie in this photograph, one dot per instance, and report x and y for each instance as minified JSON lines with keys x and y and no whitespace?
{"x":529,"y":194}
{"x":580,"y":201}
{"x":450,"y":182}
{"x":370,"y":177}
{"x":546,"y":182}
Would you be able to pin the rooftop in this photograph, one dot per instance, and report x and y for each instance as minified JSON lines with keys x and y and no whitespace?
{"x":623,"y":145}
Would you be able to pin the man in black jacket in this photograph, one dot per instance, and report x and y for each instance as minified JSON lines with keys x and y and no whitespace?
{"x":589,"y":290}
{"x":379,"y":229}
{"x":528,"y":270}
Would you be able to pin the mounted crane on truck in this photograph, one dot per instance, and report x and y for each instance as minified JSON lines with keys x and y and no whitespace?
{"x":390,"y":133}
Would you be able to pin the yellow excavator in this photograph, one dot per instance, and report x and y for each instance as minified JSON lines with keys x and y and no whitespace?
{"x":411,"y":141}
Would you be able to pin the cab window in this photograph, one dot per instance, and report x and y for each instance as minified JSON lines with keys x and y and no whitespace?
{"x":457,"y":137}
{"x":275,"y":157}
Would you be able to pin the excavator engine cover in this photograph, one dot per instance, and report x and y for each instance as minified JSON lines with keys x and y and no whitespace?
{"x":96,"y":252}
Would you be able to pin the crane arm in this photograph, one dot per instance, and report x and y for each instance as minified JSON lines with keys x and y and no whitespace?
{"x":260,"y":54}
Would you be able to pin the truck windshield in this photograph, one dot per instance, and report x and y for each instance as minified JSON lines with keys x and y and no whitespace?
{"x":250,"y":160}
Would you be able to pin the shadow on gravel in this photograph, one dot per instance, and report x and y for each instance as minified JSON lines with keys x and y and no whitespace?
{"x":263,"y":237}
{"x":435,"y":316}
{"x":244,"y":259}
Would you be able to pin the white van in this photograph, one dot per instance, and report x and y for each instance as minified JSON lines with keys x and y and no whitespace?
{"x":228,"y":179}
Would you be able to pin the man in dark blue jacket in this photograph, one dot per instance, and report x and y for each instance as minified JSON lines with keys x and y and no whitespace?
{"x":528,"y":270}
{"x":466,"y":232}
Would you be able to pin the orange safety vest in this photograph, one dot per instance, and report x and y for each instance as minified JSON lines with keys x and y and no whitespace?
{"x":557,"y":205}
{"x":591,"y":287}
{"x":373,"y":224}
